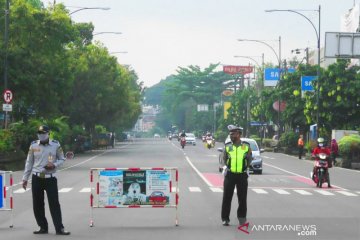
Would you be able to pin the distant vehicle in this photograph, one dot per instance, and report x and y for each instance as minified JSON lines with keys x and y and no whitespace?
{"x":256,"y":162}
{"x":190,"y":139}
{"x":157,"y":198}
{"x":156,"y":135}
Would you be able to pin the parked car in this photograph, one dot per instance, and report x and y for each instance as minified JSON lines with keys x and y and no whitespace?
{"x":190,"y":139}
{"x":156,"y":135}
{"x":256,"y":162}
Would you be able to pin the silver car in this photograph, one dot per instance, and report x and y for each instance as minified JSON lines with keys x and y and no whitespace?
{"x":190,"y":139}
{"x":256,"y":163}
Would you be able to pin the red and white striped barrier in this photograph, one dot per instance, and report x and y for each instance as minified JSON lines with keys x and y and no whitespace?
{"x":6,"y":193}
{"x":134,"y":188}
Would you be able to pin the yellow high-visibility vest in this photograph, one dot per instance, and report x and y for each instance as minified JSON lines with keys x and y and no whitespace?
{"x":237,"y":156}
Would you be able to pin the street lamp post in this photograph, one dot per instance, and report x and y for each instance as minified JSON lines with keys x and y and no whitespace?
{"x":278,"y":56}
{"x":6,"y":42}
{"x":88,"y":8}
{"x":99,"y":33}
{"x":262,"y":78}
{"x":317,"y":32}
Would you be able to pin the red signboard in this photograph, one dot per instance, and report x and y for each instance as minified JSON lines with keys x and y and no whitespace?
{"x":282,"y":106}
{"x":230,"y":69}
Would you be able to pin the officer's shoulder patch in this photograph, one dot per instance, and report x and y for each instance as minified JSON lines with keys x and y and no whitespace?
{"x":35,"y":141}
{"x":54,"y":141}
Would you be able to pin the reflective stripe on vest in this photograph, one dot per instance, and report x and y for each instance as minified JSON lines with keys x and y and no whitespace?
{"x":237,"y":155}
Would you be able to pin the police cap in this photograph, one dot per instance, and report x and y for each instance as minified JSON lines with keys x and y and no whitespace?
{"x":43,"y":129}
{"x":233,"y":128}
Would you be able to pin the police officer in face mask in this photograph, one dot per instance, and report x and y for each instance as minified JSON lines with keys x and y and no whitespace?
{"x":44,"y":158}
{"x":237,"y":156}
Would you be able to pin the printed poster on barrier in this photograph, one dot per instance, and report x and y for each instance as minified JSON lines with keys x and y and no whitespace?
{"x":1,"y":191}
{"x":134,"y":188}
{"x":158,"y":187}
{"x":111,"y":188}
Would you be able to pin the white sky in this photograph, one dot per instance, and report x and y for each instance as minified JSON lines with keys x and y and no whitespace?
{"x":161,"y":35}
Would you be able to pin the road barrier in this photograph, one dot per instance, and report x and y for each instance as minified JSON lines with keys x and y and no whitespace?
{"x":134,"y":188}
{"x":6,"y":194}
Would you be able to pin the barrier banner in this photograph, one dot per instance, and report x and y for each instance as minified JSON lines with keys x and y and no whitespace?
{"x":134,"y":188}
{"x":119,"y":187}
{"x":1,"y":191}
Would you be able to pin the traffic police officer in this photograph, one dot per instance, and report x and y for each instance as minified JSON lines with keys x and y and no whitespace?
{"x":44,"y":158}
{"x":237,"y":156}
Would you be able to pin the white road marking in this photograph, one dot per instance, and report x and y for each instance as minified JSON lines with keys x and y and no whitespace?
{"x":260,"y":191}
{"x":194,"y":189}
{"x":64,"y":190}
{"x":281,"y":191}
{"x":303,"y":192}
{"x":198,"y":172}
{"x":86,"y":190}
{"x":173,"y":189}
{"x":295,"y":174}
{"x":347,"y":193}
{"x":324,"y":192}
{"x":21,"y":190}
{"x":215,"y":189}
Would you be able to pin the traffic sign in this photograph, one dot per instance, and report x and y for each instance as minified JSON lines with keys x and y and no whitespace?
{"x":306,"y":83}
{"x":272,"y":75}
{"x":7,"y":107}
{"x":8,"y":96}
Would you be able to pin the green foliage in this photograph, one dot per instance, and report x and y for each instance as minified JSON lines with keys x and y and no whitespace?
{"x":349,"y":148}
{"x":6,"y":141}
{"x":100,"y":129}
{"x":56,"y":70}
{"x":289,"y":140}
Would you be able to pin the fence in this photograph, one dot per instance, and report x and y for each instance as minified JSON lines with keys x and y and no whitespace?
{"x":6,"y":194}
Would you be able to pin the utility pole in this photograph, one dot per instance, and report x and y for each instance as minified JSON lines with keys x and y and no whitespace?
{"x":6,"y":42}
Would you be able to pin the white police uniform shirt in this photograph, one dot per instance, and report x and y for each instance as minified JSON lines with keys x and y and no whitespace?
{"x":39,"y":155}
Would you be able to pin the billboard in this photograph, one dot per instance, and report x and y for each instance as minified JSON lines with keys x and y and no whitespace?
{"x":342,"y":45}
{"x":231,"y":69}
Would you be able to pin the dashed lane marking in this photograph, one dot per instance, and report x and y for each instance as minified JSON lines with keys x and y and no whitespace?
{"x":85,"y":190}
{"x":194,"y":189}
{"x":64,"y":190}
{"x":324,"y":192}
{"x":347,"y":193}
{"x":302,"y":192}
{"x":281,"y":191}
{"x":259,"y":190}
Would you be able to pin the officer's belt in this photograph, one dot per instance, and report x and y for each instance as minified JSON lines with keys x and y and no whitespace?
{"x":237,"y":173}
{"x":44,"y":175}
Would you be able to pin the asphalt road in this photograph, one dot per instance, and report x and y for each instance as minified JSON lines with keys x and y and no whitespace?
{"x":283,"y":203}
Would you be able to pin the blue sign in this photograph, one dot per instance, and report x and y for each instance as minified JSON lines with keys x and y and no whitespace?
{"x":272,"y":75}
{"x":1,"y":191}
{"x":307,"y":83}
{"x":256,"y":123}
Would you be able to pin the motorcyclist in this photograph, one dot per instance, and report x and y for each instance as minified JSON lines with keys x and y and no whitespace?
{"x":321,"y":148}
{"x":209,"y":137}
{"x":183,"y":134}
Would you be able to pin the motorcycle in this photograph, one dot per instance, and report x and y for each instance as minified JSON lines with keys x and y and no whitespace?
{"x":182,"y":142}
{"x":321,"y":173}
{"x":203,"y":138}
{"x":170,"y":137}
{"x":209,"y":143}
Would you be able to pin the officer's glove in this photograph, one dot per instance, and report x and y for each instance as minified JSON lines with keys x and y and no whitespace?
{"x":224,"y":170}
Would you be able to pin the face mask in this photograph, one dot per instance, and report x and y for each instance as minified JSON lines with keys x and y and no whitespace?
{"x":321,"y":144}
{"x":43,"y":137}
